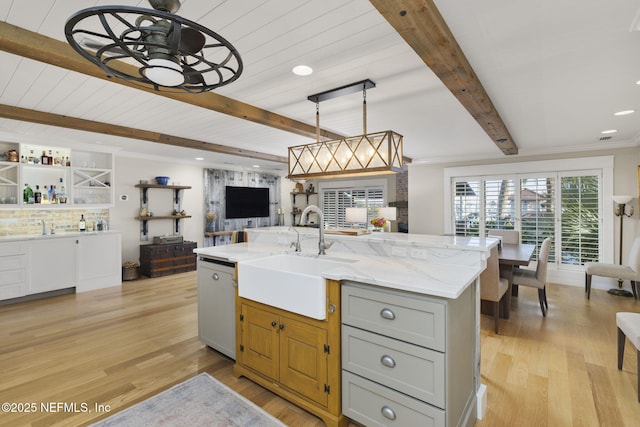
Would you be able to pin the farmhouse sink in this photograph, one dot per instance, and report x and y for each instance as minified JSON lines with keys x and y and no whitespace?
{"x":290,"y":282}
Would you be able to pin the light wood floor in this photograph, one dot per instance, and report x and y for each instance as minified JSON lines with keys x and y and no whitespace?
{"x":118,"y":346}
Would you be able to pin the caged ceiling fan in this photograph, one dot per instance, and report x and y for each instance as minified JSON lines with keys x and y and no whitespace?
{"x":171,"y":53}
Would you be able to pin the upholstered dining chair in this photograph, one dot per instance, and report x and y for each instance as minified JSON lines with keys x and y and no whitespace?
{"x":492,"y":286}
{"x":536,"y":278}
{"x":625,"y":272}
{"x":509,"y":237}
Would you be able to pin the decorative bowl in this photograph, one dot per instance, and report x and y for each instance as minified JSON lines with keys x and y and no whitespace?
{"x":162,"y":180}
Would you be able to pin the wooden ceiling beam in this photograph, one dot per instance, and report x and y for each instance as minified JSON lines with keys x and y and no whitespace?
{"x":28,"y":44}
{"x":33,"y":116}
{"x":420,"y":24}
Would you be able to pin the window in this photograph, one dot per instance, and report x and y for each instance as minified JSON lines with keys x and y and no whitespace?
{"x":365,"y":194}
{"x":528,"y":203}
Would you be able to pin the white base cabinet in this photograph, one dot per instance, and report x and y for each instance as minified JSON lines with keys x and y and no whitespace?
{"x":49,"y":263}
{"x":99,"y":261}
{"x":52,"y":264}
{"x":13,"y":270}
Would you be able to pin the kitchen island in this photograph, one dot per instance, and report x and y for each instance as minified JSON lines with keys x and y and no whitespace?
{"x":400,"y":339}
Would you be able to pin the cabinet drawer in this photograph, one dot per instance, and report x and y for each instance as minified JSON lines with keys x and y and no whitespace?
{"x":13,"y":277}
{"x":415,"y":319}
{"x":12,"y":248}
{"x":408,"y":368}
{"x":371,"y":404}
{"x":12,"y":262}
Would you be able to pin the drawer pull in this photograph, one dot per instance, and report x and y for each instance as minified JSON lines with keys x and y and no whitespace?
{"x":388,"y":361}
{"x":388,"y":413}
{"x":385,"y":313}
{"x":215,"y":276}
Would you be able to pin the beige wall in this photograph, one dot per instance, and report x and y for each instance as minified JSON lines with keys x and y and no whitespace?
{"x":426,"y":186}
{"x":128,"y":172}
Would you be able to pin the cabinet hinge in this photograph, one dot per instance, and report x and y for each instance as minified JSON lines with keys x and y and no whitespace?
{"x":242,"y":317}
{"x":327,"y":348}
{"x":327,"y":388}
{"x":241,"y":347}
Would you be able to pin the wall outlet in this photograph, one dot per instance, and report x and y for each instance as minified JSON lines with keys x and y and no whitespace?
{"x":419,"y":253}
{"x":399,"y":251}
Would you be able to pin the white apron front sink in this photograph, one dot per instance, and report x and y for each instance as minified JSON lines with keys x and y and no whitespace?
{"x":290,"y":282}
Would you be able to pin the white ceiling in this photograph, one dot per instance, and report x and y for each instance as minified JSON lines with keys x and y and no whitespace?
{"x":555,"y":70}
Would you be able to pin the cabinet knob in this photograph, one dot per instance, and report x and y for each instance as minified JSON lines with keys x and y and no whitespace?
{"x":273,"y":323}
{"x":281,"y":326}
{"x":385,"y":313}
{"x":388,"y":413}
{"x":216,"y":276}
{"x":388,"y":361}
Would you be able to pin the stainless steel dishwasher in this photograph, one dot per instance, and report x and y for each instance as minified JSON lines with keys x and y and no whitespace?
{"x":216,"y":304}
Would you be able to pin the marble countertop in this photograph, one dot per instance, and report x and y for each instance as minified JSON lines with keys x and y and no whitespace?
{"x":58,"y":235}
{"x":447,"y":280}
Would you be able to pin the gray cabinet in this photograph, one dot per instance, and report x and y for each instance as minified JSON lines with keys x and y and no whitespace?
{"x":216,"y":304}
{"x":400,"y":361}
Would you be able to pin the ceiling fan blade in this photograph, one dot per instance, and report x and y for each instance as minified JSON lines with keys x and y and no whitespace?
{"x":191,"y":76}
{"x":96,"y":45}
{"x":191,"y":41}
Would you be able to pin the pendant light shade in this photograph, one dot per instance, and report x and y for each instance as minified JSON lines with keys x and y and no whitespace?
{"x":366,"y":154}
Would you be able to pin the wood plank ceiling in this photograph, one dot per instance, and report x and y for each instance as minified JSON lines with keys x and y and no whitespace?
{"x":38,"y":47}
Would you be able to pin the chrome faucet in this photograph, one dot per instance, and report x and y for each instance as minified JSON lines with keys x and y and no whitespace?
{"x":44,"y":227}
{"x":322,"y":246}
{"x":296,"y":244}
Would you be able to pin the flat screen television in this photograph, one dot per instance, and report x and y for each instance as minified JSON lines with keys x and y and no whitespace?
{"x":246,"y":202}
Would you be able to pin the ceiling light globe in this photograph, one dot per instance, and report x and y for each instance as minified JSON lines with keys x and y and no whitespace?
{"x":164,"y":72}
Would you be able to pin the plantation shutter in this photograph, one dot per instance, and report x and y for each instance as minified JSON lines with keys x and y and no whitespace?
{"x":537,"y":212}
{"x":334,"y":202}
{"x":466,"y":203}
{"x":580,"y":221}
{"x":499,"y":205}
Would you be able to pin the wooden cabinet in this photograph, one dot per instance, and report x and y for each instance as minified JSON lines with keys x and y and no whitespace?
{"x":292,"y":355}
{"x":162,"y":260}
{"x":401,"y":361}
{"x":173,"y":211}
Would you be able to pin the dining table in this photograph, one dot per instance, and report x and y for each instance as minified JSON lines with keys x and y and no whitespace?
{"x":510,"y":257}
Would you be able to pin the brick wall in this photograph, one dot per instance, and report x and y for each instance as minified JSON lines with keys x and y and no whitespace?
{"x":28,"y":221}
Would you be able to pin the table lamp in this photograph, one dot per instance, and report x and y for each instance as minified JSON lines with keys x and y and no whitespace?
{"x":355,"y":216}
{"x":388,"y":213}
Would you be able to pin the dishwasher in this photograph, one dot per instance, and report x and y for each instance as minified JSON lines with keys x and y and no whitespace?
{"x":216,"y":304}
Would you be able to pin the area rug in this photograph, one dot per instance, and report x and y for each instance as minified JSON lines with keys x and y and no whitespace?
{"x":199,"y":401}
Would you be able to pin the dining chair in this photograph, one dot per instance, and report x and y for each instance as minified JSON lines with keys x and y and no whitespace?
{"x":492,"y":286}
{"x":509,"y":237}
{"x":624,"y":272}
{"x":629,"y":327}
{"x":536,"y":278}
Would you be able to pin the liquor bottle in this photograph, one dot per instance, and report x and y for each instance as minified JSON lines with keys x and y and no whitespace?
{"x":44,"y":159}
{"x":38,"y":195}
{"x":82,"y":225}
{"x":50,"y":157}
{"x":45,"y":195}
{"x":53,"y":197}
{"x":27,"y":194}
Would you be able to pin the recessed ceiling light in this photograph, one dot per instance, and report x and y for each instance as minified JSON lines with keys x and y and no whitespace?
{"x":302,"y":70}
{"x":638,"y":82}
{"x":199,"y":158}
{"x":624,"y":112}
{"x":604,"y":132}
{"x":256,"y":166}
